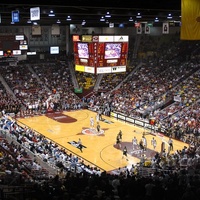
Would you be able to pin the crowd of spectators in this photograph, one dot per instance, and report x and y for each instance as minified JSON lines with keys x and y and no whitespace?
{"x":163,"y":88}
{"x":57,"y":78}
{"x":150,"y":87}
{"x":110,"y":81}
{"x":184,"y":113}
{"x":48,"y":151}
{"x":21,"y":158}
{"x":149,"y":92}
{"x":86,"y":80}
{"x":45,"y":86}
{"x":74,"y":180}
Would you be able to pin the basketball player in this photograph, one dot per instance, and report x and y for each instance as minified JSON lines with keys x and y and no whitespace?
{"x":170,"y":142}
{"x":118,"y":141}
{"x":125,"y":153}
{"x":97,"y":117}
{"x":141,"y":145}
{"x":100,"y":114}
{"x":144,"y":141}
{"x":91,"y":122}
{"x":80,"y":146}
{"x":153,"y":143}
{"x":98,"y":128}
{"x":134,"y":142}
{"x":120,"y":135}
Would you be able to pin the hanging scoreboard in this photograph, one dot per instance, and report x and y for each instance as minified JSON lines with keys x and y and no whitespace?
{"x":101,"y":54}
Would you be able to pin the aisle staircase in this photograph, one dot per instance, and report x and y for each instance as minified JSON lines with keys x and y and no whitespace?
{"x":8,"y":89}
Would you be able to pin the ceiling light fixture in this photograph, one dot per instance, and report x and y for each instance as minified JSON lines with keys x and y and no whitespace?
{"x":51,"y":13}
{"x":169,"y":16}
{"x":107,"y":15}
{"x":102,"y":19}
{"x":68,"y":18}
{"x":130,"y":19}
{"x":156,"y":19}
{"x":58,"y":21}
{"x":138,"y":16}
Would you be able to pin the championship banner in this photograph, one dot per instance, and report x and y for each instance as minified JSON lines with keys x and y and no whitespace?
{"x":165,"y":28}
{"x":36,"y":30}
{"x":147,"y":29}
{"x":190,"y":20}
{"x":15,"y":16}
{"x":35,"y":13}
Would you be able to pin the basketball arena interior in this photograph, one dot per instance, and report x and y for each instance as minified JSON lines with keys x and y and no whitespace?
{"x":100,"y":100}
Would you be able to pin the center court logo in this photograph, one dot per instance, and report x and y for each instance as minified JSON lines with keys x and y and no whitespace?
{"x":92,"y":131}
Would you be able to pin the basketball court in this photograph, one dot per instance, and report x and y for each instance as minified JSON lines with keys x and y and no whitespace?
{"x":66,"y":128}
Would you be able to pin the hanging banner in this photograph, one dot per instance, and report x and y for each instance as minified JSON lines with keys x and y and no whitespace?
{"x":35,"y":13}
{"x":147,"y":29}
{"x":15,"y":16}
{"x":139,"y":29}
{"x":165,"y":28}
{"x":190,"y":20}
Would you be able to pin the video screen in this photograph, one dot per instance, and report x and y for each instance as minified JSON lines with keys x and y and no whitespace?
{"x":113,"y":50}
{"x":83,"y":51}
{"x":54,"y":50}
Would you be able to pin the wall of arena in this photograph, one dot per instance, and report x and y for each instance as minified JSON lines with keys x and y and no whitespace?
{"x":42,"y":42}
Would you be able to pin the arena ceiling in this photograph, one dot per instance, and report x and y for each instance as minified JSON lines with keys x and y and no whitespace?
{"x":91,"y":11}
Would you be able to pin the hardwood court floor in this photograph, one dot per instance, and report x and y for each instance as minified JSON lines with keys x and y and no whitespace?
{"x":100,"y":149}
